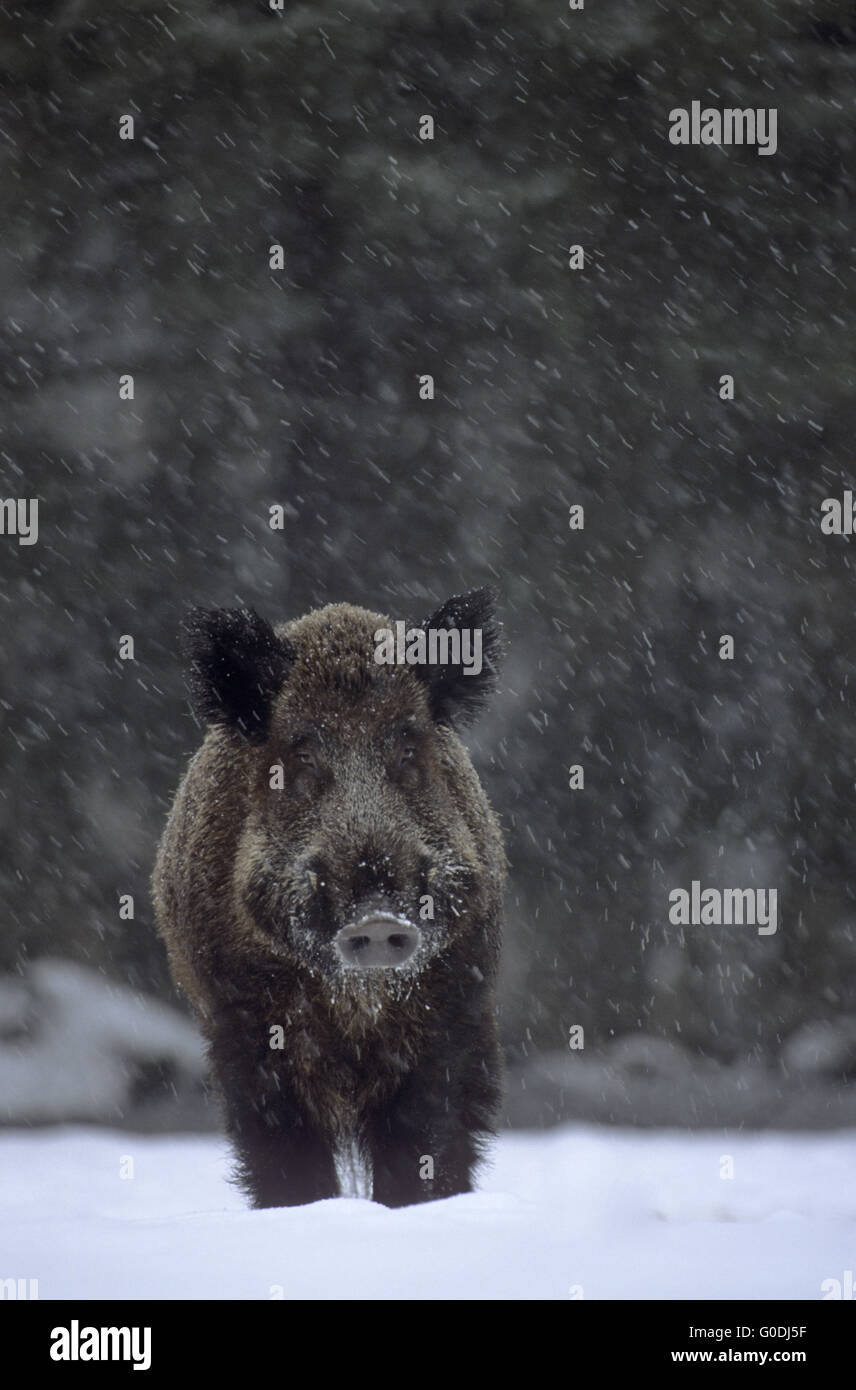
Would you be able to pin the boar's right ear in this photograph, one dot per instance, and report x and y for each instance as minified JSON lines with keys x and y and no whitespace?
{"x":237,"y":664}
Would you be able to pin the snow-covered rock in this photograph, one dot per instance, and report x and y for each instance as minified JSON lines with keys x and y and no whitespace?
{"x":646,"y":1081}
{"x":826,"y":1048}
{"x":76,"y":1046}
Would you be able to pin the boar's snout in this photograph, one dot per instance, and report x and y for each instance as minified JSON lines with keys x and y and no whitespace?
{"x":380,"y":941}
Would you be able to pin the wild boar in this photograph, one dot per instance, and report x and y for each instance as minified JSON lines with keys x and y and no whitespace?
{"x":329,"y":888}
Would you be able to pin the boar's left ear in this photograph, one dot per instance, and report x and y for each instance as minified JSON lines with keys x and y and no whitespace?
{"x":457,"y":691}
{"x":237,"y":665}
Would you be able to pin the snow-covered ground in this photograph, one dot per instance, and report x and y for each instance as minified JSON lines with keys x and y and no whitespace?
{"x":598,"y":1213}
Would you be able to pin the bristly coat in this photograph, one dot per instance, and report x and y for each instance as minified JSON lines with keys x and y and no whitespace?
{"x":329,"y":787}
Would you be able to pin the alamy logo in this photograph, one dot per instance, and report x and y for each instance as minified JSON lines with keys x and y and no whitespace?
{"x":19,"y":516}
{"x":839,"y":1288}
{"x":19,"y":1289}
{"x":732,"y":906}
{"x":732,"y":126}
{"x":76,"y":1343}
{"x":433,"y":646}
{"x":837,"y":516}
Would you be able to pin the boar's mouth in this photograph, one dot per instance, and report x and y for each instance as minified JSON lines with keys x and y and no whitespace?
{"x":378,"y":941}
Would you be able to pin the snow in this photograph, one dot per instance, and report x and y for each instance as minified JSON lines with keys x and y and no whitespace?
{"x":607,"y":1213}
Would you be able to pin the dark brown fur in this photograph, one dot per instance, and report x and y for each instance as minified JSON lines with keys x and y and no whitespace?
{"x":251,"y":884}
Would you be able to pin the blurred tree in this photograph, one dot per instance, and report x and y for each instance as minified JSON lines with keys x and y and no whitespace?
{"x":554,"y":387}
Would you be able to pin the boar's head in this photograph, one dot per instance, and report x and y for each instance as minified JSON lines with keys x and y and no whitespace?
{"x":366,"y":846}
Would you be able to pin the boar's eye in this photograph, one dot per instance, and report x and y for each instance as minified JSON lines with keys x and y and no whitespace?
{"x":405,"y":764}
{"x":308,"y":766}
{"x":405,"y":767}
{"x":305,"y":760}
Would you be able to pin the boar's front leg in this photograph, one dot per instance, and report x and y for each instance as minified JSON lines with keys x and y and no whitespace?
{"x":282,"y":1159}
{"x":426,"y":1142}
{"x":282,"y":1162}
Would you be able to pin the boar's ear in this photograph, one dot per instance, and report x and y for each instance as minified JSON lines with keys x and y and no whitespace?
{"x":455,"y":692}
{"x":237,"y":664}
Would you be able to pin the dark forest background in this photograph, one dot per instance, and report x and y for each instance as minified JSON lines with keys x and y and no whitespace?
{"x":554,"y":387}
